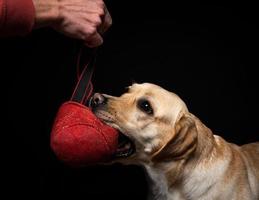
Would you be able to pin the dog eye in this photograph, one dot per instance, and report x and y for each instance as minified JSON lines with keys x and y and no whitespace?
{"x":145,"y":106}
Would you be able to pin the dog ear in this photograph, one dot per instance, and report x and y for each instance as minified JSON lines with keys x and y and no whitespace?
{"x":182,"y":143}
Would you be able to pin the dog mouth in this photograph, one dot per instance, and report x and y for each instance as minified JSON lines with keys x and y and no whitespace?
{"x":125,"y":147}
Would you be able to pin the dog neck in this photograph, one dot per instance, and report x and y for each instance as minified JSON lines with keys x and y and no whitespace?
{"x":181,"y":179}
{"x":157,"y":184}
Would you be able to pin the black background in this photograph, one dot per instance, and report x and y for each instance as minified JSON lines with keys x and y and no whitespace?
{"x":206,"y":52}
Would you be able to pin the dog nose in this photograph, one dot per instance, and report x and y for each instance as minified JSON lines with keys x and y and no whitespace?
{"x":97,"y":100}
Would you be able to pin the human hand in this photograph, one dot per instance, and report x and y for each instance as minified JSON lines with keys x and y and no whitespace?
{"x":80,"y":19}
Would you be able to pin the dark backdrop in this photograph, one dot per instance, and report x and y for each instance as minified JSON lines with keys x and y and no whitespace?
{"x":204,"y":52}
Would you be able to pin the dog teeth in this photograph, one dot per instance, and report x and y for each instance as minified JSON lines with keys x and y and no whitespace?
{"x":125,"y":147}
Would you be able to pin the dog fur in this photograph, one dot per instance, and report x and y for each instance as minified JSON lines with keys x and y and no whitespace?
{"x":183,"y":158}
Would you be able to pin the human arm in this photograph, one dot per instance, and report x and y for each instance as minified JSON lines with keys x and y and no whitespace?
{"x":81,"y":19}
{"x":16,"y":17}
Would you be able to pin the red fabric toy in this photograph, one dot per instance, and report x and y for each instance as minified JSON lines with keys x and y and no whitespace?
{"x":78,"y":137}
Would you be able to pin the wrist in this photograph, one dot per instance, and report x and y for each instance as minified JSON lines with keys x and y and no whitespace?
{"x":46,"y":12}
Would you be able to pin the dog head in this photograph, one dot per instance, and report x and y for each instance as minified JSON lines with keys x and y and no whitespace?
{"x":148,"y":118}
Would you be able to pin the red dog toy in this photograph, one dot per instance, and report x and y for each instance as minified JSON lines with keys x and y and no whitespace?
{"x":78,"y":137}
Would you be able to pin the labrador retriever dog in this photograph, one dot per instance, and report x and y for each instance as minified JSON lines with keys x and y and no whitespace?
{"x":183,"y":158}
